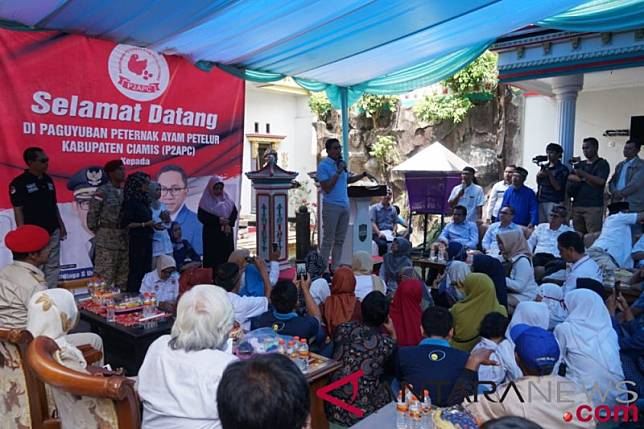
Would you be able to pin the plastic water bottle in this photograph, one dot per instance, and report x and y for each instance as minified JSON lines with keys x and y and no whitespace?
{"x":401,"y":412}
{"x":292,"y":351}
{"x":281,"y":346}
{"x":304,"y":355}
{"x":415,"y":418}
{"x":426,"y":411}
{"x":110,"y":312}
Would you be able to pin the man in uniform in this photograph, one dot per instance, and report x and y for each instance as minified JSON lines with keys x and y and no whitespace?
{"x":33,"y":196}
{"x":111,"y":260}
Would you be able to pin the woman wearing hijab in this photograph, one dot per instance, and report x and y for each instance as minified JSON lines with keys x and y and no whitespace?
{"x":397,"y":259}
{"x":552,"y":295}
{"x":136,"y":216}
{"x":446,"y":295}
{"x":218,"y":214}
{"x":480,"y":299}
{"x":342,"y":306}
{"x":494,"y":269}
{"x":410,"y":273}
{"x":529,"y":313}
{"x":520,"y":279}
{"x":163,"y":281}
{"x":161,"y":242}
{"x":366,"y":281}
{"x":589,"y":346}
{"x":405,"y":312}
{"x":52,"y":313}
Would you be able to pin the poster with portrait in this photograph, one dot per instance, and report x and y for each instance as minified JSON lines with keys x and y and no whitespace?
{"x":88,"y":101}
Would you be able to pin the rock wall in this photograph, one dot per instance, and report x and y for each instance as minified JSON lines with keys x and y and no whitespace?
{"x":488,"y":138}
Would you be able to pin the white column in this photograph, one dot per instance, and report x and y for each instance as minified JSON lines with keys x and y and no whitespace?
{"x":566,"y":89}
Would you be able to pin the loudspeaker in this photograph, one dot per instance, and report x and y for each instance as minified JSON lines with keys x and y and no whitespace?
{"x":637,"y":128}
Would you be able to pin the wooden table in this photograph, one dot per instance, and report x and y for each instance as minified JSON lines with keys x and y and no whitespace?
{"x":425,"y":263}
{"x":125,"y":346}
{"x":318,"y":377}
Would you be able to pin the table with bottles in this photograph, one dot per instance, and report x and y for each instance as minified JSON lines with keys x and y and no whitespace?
{"x":317,"y":369}
{"x":127,"y":323}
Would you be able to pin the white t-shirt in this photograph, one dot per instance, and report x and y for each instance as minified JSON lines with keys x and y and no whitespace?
{"x":178,"y":389}
{"x":586,"y":267}
{"x":472,"y":198}
{"x":246,"y":307}
{"x":615,"y":238}
{"x":496,"y":198}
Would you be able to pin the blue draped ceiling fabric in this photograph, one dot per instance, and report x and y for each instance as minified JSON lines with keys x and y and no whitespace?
{"x":343,"y":47}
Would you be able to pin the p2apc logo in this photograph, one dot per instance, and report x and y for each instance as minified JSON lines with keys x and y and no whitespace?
{"x":138,"y":73}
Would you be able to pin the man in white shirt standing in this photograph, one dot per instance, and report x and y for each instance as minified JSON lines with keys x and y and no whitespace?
{"x":613,"y":247}
{"x":496,"y":194}
{"x":572,"y":250}
{"x":489,"y":243}
{"x":469,"y":195}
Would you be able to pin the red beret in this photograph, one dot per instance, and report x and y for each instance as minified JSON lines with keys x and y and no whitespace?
{"x":27,"y":239}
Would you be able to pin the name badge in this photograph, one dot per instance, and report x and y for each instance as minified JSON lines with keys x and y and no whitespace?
{"x":32,"y":187}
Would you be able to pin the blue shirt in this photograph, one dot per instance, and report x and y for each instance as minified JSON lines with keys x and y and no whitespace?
{"x":289,"y":324}
{"x":621,"y":180}
{"x":339,"y":195}
{"x":431,"y":365}
{"x":383,"y":217}
{"x":524,"y":203}
{"x":191,"y":228}
{"x":465,"y":233}
{"x":489,"y":243}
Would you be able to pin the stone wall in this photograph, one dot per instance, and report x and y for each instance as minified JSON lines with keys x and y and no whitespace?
{"x":488,"y":138}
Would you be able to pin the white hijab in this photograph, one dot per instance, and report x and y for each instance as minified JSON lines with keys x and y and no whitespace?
{"x":52,"y":313}
{"x":527,"y":312}
{"x":588,"y":330}
{"x":320,"y":290}
{"x":553,"y":297}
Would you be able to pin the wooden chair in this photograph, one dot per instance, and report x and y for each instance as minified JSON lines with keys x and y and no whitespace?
{"x":23,"y":401}
{"x":95,"y":401}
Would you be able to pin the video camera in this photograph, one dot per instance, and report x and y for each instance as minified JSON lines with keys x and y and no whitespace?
{"x":540,"y":160}
{"x":574,"y":161}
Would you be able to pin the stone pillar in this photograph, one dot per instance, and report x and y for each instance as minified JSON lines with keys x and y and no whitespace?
{"x":566,"y":89}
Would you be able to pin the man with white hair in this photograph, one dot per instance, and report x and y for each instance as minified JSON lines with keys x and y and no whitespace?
{"x":179,"y":377}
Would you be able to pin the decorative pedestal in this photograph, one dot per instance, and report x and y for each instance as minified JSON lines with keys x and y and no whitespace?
{"x":360,"y":230}
{"x":271,"y":184}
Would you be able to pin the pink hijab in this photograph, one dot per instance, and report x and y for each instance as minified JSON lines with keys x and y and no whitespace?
{"x":218,"y":205}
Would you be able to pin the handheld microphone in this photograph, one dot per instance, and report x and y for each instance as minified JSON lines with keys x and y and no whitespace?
{"x":340,"y":160}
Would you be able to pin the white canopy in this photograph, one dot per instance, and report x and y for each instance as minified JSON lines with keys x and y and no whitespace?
{"x":435,"y":157}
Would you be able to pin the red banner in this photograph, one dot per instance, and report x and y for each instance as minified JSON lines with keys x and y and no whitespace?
{"x":87,"y":101}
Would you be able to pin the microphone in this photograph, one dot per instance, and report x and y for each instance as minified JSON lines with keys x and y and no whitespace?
{"x":339,"y":161}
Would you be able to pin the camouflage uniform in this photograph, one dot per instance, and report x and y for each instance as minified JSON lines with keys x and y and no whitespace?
{"x":111,"y":261}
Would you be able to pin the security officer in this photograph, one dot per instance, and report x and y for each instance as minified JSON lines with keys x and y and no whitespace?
{"x":111,"y":260}
{"x":77,"y":252}
{"x":33,"y":196}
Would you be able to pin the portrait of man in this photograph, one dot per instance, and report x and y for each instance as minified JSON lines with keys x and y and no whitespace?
{"x":174,"y":190}
{"x":76,"y":252}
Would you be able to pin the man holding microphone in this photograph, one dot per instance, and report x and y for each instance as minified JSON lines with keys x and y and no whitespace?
{"x":469,"y":195}
{"x":334,"y":177}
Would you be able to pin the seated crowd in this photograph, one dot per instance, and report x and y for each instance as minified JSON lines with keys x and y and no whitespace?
{"x":522,"y":302}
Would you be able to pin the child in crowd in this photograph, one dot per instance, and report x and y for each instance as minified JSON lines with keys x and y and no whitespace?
{"x":492,"y":331}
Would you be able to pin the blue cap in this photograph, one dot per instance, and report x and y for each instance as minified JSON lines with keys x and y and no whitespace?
{"x":537,"y":348}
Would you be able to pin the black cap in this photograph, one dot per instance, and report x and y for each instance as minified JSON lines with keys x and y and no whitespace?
{"x":89,"y":177}
{"x":522,"y":171}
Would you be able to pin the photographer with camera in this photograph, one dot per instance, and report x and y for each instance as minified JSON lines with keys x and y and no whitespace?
{"x":551,"y":180}
{"x":586,"y":187}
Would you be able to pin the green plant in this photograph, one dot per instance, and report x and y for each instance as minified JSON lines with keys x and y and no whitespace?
{"x":320,"y":104}
{"x":436,"y":108}
{"x":479,"y":76}
{"x":385,"y":151}
{"x":373,"y":105}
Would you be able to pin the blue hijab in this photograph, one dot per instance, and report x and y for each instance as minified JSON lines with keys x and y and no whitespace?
{"x":253,"y":282}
